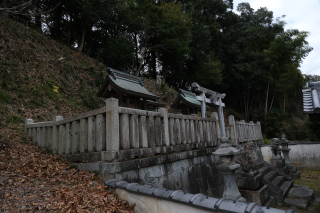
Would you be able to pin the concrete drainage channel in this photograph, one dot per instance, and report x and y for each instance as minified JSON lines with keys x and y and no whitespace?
{"x":156,"y":200}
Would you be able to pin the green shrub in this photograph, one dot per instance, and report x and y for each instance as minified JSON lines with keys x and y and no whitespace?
{"x":266,"y":141}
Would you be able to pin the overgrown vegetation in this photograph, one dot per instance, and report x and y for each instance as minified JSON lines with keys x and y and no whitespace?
{"x":41,"y":78}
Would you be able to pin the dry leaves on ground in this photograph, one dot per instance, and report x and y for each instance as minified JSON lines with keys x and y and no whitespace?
{"x":31,"y":181}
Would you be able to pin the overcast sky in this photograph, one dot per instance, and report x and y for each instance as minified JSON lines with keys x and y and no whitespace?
{"x":303,"y":15}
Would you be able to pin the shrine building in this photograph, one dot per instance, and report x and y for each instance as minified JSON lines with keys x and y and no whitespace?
{"x":129,"y":89}
{"x":187,"y":103}
{"x":311,"y":102}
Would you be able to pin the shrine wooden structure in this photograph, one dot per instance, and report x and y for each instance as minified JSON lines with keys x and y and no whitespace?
{"x":129,"y":89}
{"x":187,"y":103}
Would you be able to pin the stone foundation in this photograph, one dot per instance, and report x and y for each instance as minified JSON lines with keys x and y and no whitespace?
{"x":191,"y":171}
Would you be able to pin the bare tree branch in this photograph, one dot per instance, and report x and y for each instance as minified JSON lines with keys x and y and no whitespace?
{"x":16,"y":7}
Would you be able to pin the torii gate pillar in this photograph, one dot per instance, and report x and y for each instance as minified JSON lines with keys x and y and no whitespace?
{"x":215,"y":98}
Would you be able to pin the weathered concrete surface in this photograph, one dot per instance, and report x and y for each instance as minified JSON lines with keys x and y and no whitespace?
{"x":146,"y":204}
{"x":301,"y":193}
{"x":88,"y":166}
{"x":301,"y":155}
{"x":296,"y":202}
{"x":192,"y":175}
{"x":151,"y":199}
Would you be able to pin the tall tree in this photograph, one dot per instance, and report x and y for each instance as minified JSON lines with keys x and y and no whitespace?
{"x":284,"y":57}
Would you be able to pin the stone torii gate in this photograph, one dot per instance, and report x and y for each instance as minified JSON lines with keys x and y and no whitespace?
{"x":215,"y":98}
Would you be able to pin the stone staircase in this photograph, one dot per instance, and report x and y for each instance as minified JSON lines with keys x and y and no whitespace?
{"x":279,"y":187}
{"x":278,"y":180}
{"x":270,"y":186}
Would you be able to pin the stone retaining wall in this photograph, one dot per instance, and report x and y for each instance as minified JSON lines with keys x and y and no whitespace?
{"x":190,"y":171}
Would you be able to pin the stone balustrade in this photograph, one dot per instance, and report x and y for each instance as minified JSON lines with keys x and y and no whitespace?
{"x":114,"y":133}
{"x":241,"y":132}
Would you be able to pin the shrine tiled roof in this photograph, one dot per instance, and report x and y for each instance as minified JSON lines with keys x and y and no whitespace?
{"x":126,"y":83}
{"x":311,"y":98}
{"x":188,"y":97}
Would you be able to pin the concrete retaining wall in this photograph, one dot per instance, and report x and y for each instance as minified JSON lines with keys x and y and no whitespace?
{"x":302,"y":155}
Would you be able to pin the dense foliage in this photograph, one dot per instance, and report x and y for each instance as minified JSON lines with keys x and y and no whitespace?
{"x":244,"y":53}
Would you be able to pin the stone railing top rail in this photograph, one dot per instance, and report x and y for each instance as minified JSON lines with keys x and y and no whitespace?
{"x":250,"y":122}
{"x":81,"y":116}
{"x":40,"y":124}
{"x":122,"y":110}
{"x":195,"y":200}
{"x":131,"y":111}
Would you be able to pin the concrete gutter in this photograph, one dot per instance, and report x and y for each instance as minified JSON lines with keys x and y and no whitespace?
{"x":155,"y":200}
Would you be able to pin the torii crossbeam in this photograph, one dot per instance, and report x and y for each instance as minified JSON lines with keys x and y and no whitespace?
{"x":215,"y":98}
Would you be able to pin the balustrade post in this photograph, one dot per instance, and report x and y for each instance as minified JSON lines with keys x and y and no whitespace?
{"x":233,"y":130}
{"x":112,"y":125}
{"x":215,"y":115}
{"x":26,"y":122}
{"x":164,"y":112}
{"x":55,"y":133}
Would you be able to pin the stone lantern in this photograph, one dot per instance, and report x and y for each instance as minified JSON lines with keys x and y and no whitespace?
{"x":227,"y":169}
{"x":276,"y":159}
{"x":285,"y":151}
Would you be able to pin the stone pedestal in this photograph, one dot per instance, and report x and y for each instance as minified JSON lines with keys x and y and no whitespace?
{"x":227,"y":170}
{"x":285,"y":152}
{"x":250,"y":183}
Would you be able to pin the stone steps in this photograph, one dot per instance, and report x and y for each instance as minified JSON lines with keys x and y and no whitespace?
{"x":271,"y":202}
{"x":296,"y":202}
{"x":259,"y":165}
{"x":303,"y":193}
{"x":264,"y":170}
{"x":286,"y":186}
{"x":271,"y":175}
{"x":279,"y":180}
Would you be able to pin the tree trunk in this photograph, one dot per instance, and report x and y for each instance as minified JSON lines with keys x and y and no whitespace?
{"x":266,"y":109}
{"x":83,"y":32}
{"x":273,"y":97}
{"x":164,"y":71}
{"x":143,"y":53}
{"x":154,"y":64}
{"x":142,"y":59}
